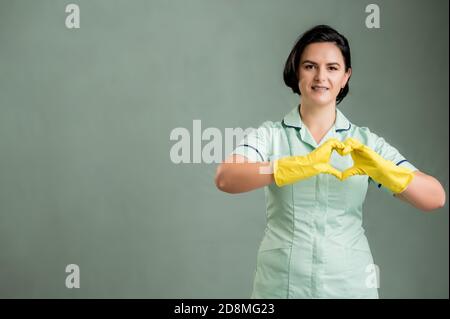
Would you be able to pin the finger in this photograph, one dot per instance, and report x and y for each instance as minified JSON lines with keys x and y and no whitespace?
{"x":353,"y":143}
{"x":345,"y":150}
{"x":334,"y":144}
{"x":328,"y":169}
{"x":351,"y":172}
{"x":325,"y":149}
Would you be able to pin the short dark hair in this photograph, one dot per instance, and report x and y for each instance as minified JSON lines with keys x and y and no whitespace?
{"x":319,"y":33}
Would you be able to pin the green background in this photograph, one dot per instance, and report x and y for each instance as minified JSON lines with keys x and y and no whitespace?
{"x":85,"y":120}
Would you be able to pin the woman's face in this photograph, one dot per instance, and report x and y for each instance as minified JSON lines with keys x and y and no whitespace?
{"x":322,"y":73}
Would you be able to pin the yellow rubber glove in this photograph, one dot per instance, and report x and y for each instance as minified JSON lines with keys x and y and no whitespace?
{"x":368,"y":162}
{"x":291,"y":169}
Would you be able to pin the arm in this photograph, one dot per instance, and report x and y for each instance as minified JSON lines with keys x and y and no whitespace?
{"x":424,"y":192}
{"x":416,"y":188}
{"x":238,"y":175}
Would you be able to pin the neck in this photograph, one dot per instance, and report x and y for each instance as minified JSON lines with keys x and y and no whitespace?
{"x":318,"y":117}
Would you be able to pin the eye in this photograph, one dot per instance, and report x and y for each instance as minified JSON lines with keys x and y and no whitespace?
{"x":332,"y":68}
{"x":308,"y":66}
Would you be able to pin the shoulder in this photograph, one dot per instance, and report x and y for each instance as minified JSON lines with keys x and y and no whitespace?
{"x":365,"y":135}
{"x":271,"y":125}
{"x":269,"y":128}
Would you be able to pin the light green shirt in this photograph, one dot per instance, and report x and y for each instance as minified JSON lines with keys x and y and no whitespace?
{"x":314,"y":244}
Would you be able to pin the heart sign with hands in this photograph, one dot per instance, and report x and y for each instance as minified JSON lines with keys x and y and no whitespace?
{"x":292,"y":169}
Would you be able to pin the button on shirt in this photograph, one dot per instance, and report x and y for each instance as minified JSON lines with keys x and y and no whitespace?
{"x":314,"y":244}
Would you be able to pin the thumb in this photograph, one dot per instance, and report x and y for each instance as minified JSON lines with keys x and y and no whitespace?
{"x":328,"y":169}
{"x":351,"y":172}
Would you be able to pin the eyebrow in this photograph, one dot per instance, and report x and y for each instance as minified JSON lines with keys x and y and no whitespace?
{"x":312,"y":62}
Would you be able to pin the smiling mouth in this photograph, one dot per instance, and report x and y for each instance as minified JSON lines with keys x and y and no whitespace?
{"x":319,"y":88}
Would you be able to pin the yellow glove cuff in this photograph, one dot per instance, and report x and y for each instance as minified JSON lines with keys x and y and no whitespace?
{"x":395,"y":178}
{"x":291,"y":169}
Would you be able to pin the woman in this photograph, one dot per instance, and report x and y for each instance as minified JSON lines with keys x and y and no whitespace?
{"x":316,"y":166}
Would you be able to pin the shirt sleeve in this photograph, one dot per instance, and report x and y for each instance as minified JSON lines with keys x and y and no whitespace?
{"x":256,"y":146}
{"x":388,"y":152}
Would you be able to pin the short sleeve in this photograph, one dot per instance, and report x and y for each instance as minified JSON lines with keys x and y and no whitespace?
{"x":388,"y":152}
{"x":257,"y":144}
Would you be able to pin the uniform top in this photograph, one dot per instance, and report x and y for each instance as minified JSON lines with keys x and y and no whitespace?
{"x":314,"y":237}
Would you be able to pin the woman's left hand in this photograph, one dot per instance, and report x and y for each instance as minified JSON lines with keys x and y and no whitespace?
{"x":368,"y":162}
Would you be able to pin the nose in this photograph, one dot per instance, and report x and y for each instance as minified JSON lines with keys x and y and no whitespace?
{"x":320,"y":74}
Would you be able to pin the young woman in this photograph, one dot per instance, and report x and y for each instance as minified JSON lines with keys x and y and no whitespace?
{"x":316,"y":166}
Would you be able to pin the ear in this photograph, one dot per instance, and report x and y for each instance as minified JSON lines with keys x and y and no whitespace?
{"x":347,"y":76}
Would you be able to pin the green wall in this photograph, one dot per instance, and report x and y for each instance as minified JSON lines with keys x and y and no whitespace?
{"x":85,"y":120}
